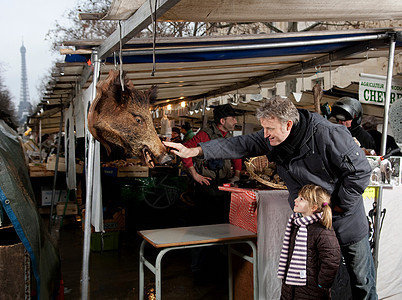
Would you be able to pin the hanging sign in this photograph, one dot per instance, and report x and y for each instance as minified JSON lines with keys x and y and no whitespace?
{"x":372,"y":89}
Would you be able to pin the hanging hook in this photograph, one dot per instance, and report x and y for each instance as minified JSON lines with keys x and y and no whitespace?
{"x":121,"y":59}
{"x":367,"y":53}
{"x":318,"y":69}
{"x":153,"y":20}
{"x":115,"y":60}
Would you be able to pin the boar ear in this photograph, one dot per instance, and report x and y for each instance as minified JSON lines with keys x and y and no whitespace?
{"x":103,"y":101}
{"x":152,"y":93}
{"x":121,"y":97}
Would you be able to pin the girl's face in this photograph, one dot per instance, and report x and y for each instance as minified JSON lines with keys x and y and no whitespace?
{"x":303,"y":206}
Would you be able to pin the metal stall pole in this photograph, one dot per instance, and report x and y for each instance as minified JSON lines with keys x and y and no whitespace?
{"x":89,"y":189}
{"x":377,"y":221}
{"x":40,"y":140}
{"x":56,"y":168}
{"x":204,"y":116}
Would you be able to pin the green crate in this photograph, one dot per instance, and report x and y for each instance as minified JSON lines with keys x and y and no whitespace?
{"x":110,"y":241}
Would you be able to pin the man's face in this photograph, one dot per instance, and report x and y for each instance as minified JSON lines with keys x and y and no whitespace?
{"x":275,"y":131}
{"x":229,"y":123}
{"x":346,"y":123}
{"x":174,"y":134}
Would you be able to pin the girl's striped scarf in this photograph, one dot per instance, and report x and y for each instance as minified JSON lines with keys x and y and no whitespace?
{"x":296,"y":273}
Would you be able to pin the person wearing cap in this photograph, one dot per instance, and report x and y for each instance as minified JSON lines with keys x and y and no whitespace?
{"x":349,"y":112}
{"x":201,"y":170}
{"x":187,"y":132}
{"x":369,"y":123}
{"x":176,"y":138}
{"x":308,"y":149}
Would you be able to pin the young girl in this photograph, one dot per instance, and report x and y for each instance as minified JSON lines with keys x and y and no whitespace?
{"x":310,"y":254}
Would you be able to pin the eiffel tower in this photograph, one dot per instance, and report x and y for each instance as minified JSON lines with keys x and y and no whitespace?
{"x":25,"y":106}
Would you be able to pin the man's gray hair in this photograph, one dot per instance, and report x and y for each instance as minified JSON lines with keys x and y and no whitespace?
{"x":278,"y":107}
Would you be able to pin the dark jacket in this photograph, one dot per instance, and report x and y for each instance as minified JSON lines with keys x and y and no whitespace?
{"x":328,"y":157}
{"x":323,"y":258}
{"x":390,"y":145}
{"x":364,"y":138}
{"x":210,"y":168}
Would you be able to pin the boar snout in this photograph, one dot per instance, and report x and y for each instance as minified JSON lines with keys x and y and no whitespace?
{"x":164,"y":159}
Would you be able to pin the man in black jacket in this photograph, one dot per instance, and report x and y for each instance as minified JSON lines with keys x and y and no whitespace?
{"x":349,"y":112}
{"x":309,"y":149}
{"x":369,"y":124}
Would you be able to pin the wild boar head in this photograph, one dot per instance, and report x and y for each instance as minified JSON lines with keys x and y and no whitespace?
{"x":123,"y":118}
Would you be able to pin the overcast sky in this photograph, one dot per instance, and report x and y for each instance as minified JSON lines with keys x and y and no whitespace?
{"x":28,"y":21}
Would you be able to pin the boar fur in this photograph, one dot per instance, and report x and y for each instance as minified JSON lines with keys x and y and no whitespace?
{"x":122,"y":118}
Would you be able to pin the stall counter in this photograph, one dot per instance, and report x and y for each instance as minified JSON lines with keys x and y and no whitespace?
{"x":273,"y":211}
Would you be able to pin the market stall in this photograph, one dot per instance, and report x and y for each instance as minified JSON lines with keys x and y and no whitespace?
{"x":184,"y":67}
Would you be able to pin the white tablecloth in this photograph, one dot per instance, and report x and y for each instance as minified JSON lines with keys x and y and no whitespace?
{"x":389,"y":274}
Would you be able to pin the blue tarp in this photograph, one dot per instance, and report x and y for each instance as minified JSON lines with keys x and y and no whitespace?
{"x":207,"y":55}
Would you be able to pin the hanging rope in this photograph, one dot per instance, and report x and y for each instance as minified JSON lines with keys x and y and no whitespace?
{"x":302,"y":78}
{"x":121,"y":59}
{"x":115,"y":60}
{"x":153,"y":19}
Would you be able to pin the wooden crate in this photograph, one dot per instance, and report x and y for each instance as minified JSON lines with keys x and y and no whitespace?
{"x":39,"y":170}
{"x":133,"y":171}
{"x":51,"y":165}
{"x":71,"y":208}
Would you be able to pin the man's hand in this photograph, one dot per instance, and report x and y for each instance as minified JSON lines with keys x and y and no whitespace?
{"x":234,"y":179}
{"x":183,"y":151}
{"x":201,"y":179}
{"x":198,"y":177}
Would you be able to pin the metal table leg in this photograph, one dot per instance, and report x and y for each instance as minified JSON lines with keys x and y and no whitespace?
{"x":141,"y":279}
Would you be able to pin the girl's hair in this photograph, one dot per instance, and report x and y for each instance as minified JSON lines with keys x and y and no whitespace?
{"x":316,"y":195}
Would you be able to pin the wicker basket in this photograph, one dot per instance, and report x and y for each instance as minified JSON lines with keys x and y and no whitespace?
{"x":257,"y":164}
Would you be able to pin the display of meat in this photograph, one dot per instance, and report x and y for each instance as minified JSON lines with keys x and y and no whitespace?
{"x":122,"y":118}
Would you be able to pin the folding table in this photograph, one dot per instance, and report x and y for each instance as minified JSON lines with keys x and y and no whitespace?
{"x":169,"y":239}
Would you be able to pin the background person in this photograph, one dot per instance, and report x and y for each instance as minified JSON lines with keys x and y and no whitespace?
{"x":176,"y":137}
{"x":349,"y":112}
{"x":47,"y":146}
{"x":187,"y":132}
{"x":209,"y":174}
{"x":309,"y":149}
{"x":310,"y":271}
